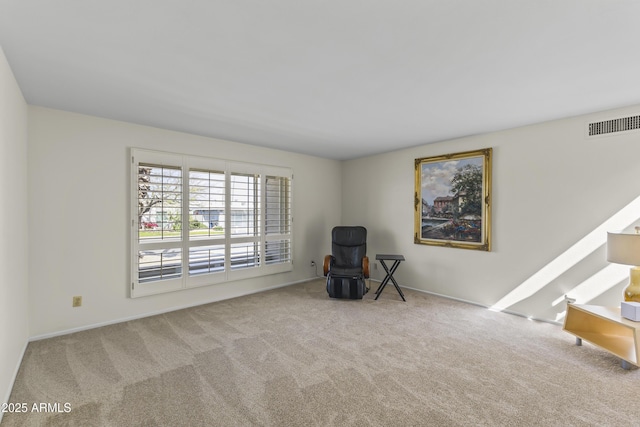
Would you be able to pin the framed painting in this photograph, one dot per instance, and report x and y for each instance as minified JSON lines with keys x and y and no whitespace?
{"x":453,"y":200}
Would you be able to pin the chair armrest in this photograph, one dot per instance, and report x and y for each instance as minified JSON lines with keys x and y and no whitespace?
{"x":327,"y":263}
{"x":365,"y":266}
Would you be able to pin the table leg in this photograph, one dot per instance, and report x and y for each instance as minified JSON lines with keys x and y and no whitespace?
{"x":388,"y":277}
{"x":398,"y":288}
{"x":384,"y":281}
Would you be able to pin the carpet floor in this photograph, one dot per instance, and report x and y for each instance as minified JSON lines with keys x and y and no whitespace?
{"x":293,"y":357}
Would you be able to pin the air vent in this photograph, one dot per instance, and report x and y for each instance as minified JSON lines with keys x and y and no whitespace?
{"x":616,"y":125}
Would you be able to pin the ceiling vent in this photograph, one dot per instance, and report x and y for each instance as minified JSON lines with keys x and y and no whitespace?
{"x":607,"y":127}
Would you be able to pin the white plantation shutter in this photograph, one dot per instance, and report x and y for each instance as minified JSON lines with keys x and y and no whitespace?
{"x":278,"y":220}
{"x":198,"y":221}
{"x":207,"y":199}
{"x":245,"y":220}
{"x":156,"y":224}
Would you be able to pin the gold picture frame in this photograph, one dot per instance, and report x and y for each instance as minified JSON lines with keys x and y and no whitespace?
{"x":452,"y":202}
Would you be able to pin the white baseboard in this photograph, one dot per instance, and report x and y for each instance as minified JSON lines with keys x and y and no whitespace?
{"x":513,"y":313}
{"x":155,"y":313}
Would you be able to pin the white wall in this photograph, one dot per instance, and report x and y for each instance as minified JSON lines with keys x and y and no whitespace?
{"x":14,"y":313}
{"x":79,"y":205}
{"x":551,"y":187}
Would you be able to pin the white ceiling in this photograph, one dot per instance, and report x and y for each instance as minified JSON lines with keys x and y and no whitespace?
{"x":333,"y":78}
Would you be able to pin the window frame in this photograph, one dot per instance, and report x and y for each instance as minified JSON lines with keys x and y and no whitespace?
{"x":188,"y":280}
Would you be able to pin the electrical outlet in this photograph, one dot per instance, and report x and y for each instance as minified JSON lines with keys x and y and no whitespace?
{"x":77,"y":301}
{"x":375,"y":265}
{"x":313,"y":263}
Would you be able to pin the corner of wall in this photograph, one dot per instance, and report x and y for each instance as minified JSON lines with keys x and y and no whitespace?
{"x":14,"y":272}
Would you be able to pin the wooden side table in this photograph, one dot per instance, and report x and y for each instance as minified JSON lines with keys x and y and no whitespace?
{"x":605,"y":328}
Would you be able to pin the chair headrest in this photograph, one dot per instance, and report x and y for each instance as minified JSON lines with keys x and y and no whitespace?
{"x":349,"y":235}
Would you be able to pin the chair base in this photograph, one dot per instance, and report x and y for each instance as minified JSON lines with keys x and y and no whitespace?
{"x":346,"y":287}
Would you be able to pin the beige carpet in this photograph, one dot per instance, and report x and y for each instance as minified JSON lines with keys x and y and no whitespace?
{"x":294,"y":357}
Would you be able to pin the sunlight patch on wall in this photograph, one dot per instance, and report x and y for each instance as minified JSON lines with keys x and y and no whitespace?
{"x":576,"y":253}
{"x":597,"y":284}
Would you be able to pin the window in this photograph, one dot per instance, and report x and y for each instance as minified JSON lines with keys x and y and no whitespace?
{"x":206,"y":221}
{"x":245,"y":220}
{"x":278,"y":220}
{"x":199,"y":221}
{"x":159,"y":219}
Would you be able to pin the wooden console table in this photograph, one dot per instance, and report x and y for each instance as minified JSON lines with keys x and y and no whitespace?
{"x":605,"y":328}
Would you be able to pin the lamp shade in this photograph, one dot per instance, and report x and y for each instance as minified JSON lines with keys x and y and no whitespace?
{"x":623,"y":248}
